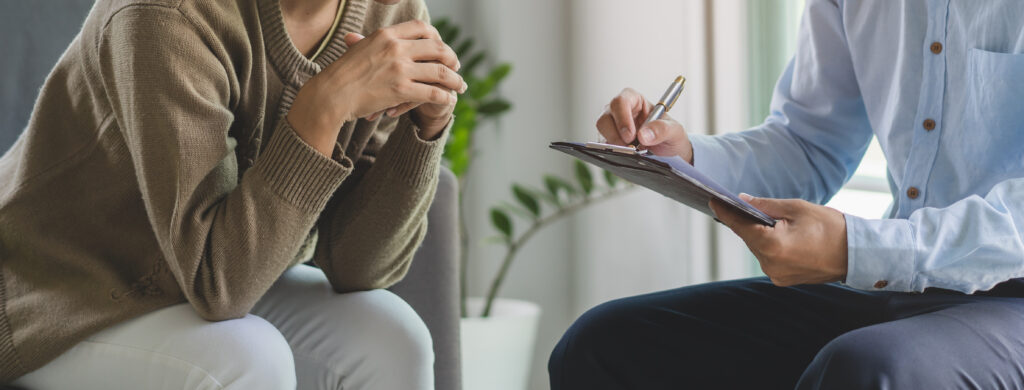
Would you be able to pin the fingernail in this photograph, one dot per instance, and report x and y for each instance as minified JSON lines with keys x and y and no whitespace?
{"x":624,"y":132}
{"x":647,"y":135}
{"x":391,"y":112}
{"x":746,"y":197}
{"x":464,"y":87}
{"x":458,"y":65}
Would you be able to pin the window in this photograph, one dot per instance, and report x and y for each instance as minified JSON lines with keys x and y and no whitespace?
{"x":866,"y":195}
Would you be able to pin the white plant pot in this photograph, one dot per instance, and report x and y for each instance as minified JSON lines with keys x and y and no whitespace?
{"x":497,"y":350}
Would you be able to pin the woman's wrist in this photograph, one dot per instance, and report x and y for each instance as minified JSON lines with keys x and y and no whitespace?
{"x":315,"y":125}
{"x":430,"y":128}
{"x":318,"y":113}
{"x":314,"y":133}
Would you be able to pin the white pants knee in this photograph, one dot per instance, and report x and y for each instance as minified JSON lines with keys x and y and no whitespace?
{"x":300,"y":335}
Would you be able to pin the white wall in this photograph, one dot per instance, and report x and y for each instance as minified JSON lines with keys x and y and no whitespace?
{"x":643,"y":242}
{"x":531,"y":35}
{"x":570,"y":58}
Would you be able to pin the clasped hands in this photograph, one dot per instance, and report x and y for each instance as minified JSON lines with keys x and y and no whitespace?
{"x":806,"y":246}
{"x":400,"y":68}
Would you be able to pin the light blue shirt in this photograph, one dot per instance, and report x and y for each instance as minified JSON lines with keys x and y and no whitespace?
{"x":941,"y":84}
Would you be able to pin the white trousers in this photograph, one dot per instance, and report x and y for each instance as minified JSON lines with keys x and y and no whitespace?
{"x":300,"y":335}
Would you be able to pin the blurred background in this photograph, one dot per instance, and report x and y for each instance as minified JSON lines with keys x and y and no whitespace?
{"x":569,"y":58}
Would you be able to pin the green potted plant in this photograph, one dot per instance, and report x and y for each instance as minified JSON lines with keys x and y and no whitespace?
{"x":498,"y":334}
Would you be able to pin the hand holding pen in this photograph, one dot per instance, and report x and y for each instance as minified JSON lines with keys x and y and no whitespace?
{"x":631,"y":120}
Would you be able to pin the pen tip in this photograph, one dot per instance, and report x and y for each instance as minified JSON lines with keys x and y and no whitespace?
{"x":680,"y":79}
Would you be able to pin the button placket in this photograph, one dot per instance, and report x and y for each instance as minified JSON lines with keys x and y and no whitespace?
{"x":925,"y":143}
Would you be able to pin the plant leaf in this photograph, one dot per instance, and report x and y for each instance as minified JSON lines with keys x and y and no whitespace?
{"x":527,"y":199}
{"x":555,"y":185}
{"x":450,"y":35}
{"x":469,"y":66}
{"x":442,"y":25}
{"x":546,"y":197}
{"x":584,"y":177}
{"x":459,"y":165}
{"x":502,"y":222}
{"x":516,"y":210}
{"x":494,"y":107}
{"x":487,"y":85}
{"x":480,"y":89}
{"x":611,"y":179}
{"x":464,"y":47}
{"x":499,"y":72}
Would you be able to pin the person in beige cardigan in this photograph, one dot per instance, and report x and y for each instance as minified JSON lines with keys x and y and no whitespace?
{"x":184,"y":157}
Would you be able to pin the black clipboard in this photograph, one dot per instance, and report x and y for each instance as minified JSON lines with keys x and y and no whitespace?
{"x":670,"y":176}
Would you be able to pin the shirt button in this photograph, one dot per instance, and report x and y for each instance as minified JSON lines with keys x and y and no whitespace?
{"x":913,"y":192}
{"x":936,"y":48}
{"x":881,"y":284}
{"x":929,"y":124}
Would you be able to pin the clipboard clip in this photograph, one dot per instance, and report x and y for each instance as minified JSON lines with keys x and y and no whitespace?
{"x":616,"y":148}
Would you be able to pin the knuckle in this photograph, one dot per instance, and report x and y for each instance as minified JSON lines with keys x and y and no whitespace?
{"x":397,"y":67}
{"x":443,"y":48}
{"x":437,"y":96}
{"x":442,"y":72}
{"x":392,"y":46}
{"x":420,"y":24}
{"x":399,"y":88}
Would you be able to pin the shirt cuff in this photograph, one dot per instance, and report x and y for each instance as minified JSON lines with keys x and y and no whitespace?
{"x":299,"y":173}
{"x":708,"y":155}
{"x":880,"y":255}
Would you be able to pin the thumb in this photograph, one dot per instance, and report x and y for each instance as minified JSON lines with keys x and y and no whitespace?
{"x":352,"y":38}
{"x":775,"y":208}
{"x":659,"y":132}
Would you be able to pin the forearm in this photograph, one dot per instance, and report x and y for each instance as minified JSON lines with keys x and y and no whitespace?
{"x":770,"y":161}
{"x":228,"y":250}
{"x":368,"y":237}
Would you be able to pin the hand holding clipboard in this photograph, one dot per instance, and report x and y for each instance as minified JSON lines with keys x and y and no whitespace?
{"x":669,"y":176}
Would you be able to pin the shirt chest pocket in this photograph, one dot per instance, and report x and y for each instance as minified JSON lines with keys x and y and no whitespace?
{"x":994,"y":110}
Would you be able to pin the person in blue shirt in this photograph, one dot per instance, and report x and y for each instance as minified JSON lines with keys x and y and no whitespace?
{"x":928,"y":297}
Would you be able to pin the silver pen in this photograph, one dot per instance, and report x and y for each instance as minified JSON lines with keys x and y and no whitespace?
{"x":667,"y":101}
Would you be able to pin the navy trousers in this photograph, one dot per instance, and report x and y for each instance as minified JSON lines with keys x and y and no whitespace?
{"x":750,"y":334}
